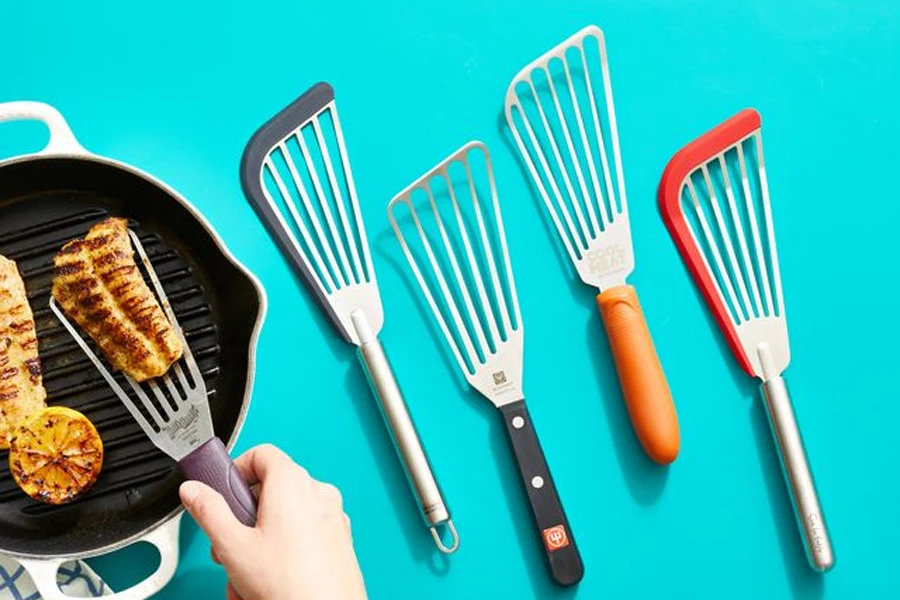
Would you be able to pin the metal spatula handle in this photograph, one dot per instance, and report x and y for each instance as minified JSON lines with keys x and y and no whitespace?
{"x":797,"y":474}
{"x":403,"y":434}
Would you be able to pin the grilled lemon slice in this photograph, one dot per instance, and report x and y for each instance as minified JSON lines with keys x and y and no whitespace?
{"x":56,"y":455}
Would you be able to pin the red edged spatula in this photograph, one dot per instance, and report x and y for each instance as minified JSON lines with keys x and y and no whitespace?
{"x":714,"y":199}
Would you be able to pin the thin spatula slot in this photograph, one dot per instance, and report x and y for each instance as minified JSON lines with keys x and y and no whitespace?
{"x":728,"y":213}
{"x":562,"y":117}
{"x":561,"y":113}
{"x":307,"y":180}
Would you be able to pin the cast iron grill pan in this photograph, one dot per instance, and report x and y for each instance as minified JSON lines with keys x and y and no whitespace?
{"x":137,"y":487}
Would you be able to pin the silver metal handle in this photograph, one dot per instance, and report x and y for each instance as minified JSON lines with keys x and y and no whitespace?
{"x":404,"y":435}
{"x":797,"y":474}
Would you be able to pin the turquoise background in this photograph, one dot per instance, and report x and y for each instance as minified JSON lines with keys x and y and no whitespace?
{"x":177,"y":88}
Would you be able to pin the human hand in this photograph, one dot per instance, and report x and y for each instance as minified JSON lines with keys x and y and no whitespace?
{"x":301,"y":547}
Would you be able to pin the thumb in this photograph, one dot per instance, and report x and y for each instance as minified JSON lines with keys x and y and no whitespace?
{"x":213,"y":515}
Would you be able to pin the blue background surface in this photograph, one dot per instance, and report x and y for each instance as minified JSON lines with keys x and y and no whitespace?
{"x":177,"y":88}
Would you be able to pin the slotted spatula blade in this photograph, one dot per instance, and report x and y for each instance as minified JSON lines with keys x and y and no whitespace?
{"x":714,"y":199}
{"x":458,"y":255}
{"x":560,"y":111}
{"x":178,"y":420}
{"x":296,"y":174}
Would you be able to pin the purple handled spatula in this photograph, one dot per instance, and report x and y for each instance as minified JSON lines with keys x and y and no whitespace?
{"x":179,"y":421}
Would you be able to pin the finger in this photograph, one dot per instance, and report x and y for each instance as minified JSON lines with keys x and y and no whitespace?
{"x":214,"y":556}
{"x":213,"y":515}
{"x":331,"y":495}
{"x":231,"y":593}
{"x":260,"y":463}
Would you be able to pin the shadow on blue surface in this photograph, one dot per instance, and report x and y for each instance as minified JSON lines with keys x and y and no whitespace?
{"x":341,"y":349}
{"x":197,"y":583}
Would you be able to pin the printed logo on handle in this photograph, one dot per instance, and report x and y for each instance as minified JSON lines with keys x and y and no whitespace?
{"x":815,"y":529}
{"x":555,"y":538}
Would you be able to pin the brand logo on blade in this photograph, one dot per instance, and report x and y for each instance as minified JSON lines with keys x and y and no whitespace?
{"x":499,"y":378}
{"x":605,"y":260}
{"x":176,"y":426}
{"x":555,"y":538}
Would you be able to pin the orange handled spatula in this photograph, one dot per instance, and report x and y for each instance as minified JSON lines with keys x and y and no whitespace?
{"x":560,"y":110}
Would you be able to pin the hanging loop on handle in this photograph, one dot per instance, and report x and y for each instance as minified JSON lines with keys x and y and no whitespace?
{"x":62,"y":140}
{"x":439,"y":541}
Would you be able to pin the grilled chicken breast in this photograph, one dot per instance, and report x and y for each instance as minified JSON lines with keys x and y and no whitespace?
{"x":99,"y":286}
{"x":21,"y":389}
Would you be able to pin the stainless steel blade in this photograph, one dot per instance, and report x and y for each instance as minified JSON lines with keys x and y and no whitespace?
{"x":561,"y":114}
{"x":477,"y":313}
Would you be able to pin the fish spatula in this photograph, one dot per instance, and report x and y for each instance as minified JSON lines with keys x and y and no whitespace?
{"x":714,"y":199}
{"x":464,"y":272}
{"x":560,"y":110}
{"x":296,"y":173}
{"x":177,"y":420}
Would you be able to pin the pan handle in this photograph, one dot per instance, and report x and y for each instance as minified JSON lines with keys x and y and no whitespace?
{"x":62,"y":140}
{"x":164,"y":537}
